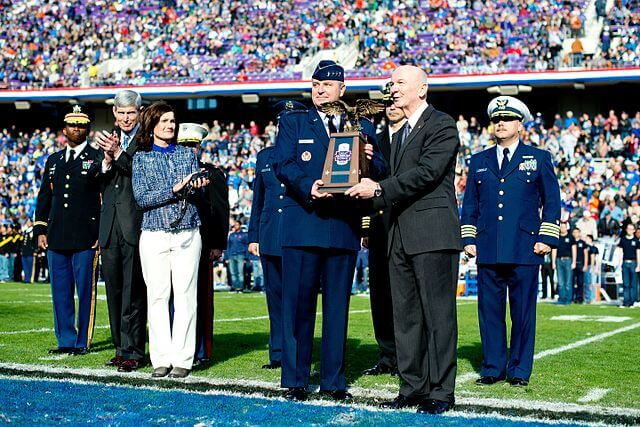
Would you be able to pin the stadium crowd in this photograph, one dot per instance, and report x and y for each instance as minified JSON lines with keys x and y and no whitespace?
{"x":66,"y":44}
{"x":596,"y":159}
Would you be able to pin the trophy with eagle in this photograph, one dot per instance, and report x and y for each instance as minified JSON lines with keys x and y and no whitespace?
{"x":346,"y":163}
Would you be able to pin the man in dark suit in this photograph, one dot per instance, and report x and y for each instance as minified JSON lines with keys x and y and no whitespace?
{"x":424,"y":245}
{"x":377,"y":242}
{"x":67,"y":216}
{"x":507,"y":187}
{"x":120,"y":223}
{"x":320,"y":240}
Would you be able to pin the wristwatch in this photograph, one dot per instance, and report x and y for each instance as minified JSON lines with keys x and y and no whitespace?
{"x":378,"y":191}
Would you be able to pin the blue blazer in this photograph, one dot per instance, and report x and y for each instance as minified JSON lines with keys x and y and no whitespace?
{"x":301,"y":147}
{"x":500,"y":212}
{"x":267,"y":206}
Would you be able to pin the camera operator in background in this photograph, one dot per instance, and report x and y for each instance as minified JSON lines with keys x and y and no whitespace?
{"x":165,"y":187}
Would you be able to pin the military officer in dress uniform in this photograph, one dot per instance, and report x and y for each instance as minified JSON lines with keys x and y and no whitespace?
{"x":264,"y":238}
{"x":67,"y":217}
{"x":320,"y":240}
{"x":507,"y":186}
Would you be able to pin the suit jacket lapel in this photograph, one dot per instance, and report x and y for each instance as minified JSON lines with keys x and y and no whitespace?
{"x":318,"y":127}
{"x":515,"y":160}
{"x":491,"y":160}
{"x":420,"y":124}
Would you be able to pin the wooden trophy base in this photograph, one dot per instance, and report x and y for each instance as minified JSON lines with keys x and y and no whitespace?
{"x":346,"y":162}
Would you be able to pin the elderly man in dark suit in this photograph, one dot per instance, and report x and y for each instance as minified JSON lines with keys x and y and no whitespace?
{"x":377,"y":242}
{"x":120,"y":223}
{"x":424,"y":245}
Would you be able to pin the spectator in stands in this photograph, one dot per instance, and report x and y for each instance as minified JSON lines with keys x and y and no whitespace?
{"x":235,"y":254}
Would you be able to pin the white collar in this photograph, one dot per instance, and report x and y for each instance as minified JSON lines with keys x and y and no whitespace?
{"x":78,"y":148}
{"x":132,"y":133}
{"x":512,"y":148}
{"x":413,"y":119}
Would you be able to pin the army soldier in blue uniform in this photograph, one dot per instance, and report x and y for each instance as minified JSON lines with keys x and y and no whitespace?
{"x":320,"y":240}
{"x":506,"y":187}
{"x":67,"y":217}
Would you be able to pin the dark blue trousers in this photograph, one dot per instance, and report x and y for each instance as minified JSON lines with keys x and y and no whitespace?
{"x":69,"y":270}
{"x":303,"y":270}
{"x":272,"y":270}
{"x":28,"y":263}
{"x":521,"y":281}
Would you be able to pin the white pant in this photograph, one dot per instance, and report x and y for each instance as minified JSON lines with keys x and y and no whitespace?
{"x":170,"y":261}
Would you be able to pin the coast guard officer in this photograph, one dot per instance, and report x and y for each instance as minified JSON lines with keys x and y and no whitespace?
{"x":507,"y":186}
{"x":264,"y":239}
{"x":67,"y":217}
{"x":320,"y":240}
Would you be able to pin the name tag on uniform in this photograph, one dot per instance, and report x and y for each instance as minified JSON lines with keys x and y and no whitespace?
{"x":305,"y":141}
{"x":527,"y":157}
{"x":529,"y":165}
{"x":481,"y":170}
{"x":265,"y":170}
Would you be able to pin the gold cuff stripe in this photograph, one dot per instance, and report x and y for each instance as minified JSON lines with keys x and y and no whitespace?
{"x":546,"y":233}
{"x":550,"y":224}
{"x":551,"y":230}
{"x":40,"y":223}
{"x":468,"y":235}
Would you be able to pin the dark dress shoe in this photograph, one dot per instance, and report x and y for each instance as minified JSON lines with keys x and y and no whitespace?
{"x":401,"y":402}
{"x":177,"y":372}
{"x":338,"y":395}
{"x":115,"y":361}
{"x":272,"y":365}
{"x":380,"y":369}
{"x":61,"y":350}
{"x":129,"y":365}
{"x":487,"y":380}
{"x":434,"y":407}
{"x":79,"y":351}
{"x":518,"y":382}
{"x":160,"y":372}
{"x":299,"y":394}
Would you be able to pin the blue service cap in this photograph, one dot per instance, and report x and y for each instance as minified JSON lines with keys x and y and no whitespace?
{"x":328,"y":70}
{"x":508,"y":106}
{"x":283,"y":106}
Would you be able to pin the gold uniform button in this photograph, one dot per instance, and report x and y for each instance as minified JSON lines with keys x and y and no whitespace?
{"x":281,"y":197}
{"x":66,"y":186}
{"x":500,"y":205}
{"x":532,"y":233}
{"x":66,"y":205}
{"x":279,"y":210}
{"x":528,"y":181}
{"x":501,"y":179}
{"x":66,"y":196}
{"x":500,"y":218}
{"x":68,"y":177}
{"x":528,"y":173}
{"x":116,"y":185}
{"x":281,"y":185}
{"x":501,"y":192}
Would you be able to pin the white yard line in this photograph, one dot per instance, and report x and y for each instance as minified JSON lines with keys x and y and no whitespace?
{"x":594,"y":395}
{"x":553,"y":351}
{"x":530,"y":405}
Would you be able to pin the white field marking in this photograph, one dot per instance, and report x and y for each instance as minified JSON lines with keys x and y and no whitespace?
{"x":98,"y":297}
{"x":237,"y":319}
{"x":54,"y":357}
{"x":553,"y":351}
{"x":584,"y":318}
{"x":594,"y":395}
{"x":240,"y":319}
{"x":586,"y":341}
{"x":531,"y":405}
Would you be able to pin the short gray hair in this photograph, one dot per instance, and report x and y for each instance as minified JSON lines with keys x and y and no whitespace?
{"x":127,"y":98}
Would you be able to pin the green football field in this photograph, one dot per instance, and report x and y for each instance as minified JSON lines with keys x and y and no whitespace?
{"x":585,"y":355}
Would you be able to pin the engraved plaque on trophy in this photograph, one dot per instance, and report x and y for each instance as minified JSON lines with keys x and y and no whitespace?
{"x":346,"y":162}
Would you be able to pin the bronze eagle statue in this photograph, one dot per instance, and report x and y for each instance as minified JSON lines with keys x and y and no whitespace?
{"x":363,"y":108}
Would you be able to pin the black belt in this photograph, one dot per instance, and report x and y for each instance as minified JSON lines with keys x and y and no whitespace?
{"x":565,"y":257}
{"x":629,"y":260}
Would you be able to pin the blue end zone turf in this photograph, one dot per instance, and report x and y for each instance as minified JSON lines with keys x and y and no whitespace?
{"x":40,"y":402}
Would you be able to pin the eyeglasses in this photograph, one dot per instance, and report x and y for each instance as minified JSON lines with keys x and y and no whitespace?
{"x":496,"y":120}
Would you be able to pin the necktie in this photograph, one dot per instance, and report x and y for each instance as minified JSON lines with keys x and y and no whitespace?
{"x":331,"y":125}
{"x":125,"y":141}
{"x":505,"y":160}
{"x":72,"y":155}
{"x":402,"y":137}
